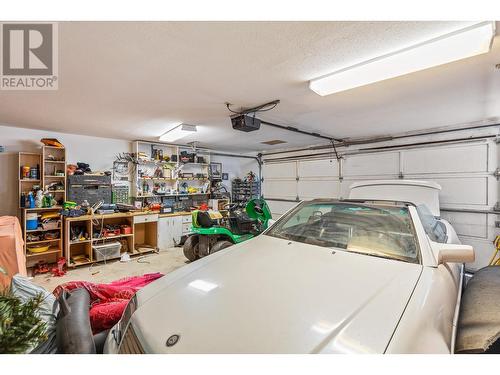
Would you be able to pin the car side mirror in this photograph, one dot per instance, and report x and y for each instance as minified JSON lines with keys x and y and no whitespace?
{"x":452,"y":253}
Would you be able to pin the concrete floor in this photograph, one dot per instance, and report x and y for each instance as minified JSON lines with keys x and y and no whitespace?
{"x":165,"y":261}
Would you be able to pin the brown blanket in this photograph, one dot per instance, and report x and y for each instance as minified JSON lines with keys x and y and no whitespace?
{"x":479,"y":320}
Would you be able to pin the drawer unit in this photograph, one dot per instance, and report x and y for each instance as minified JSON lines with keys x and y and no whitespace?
{"x":145,"y":218}
{"x":186,"y":228}
{"x":187,"y":219}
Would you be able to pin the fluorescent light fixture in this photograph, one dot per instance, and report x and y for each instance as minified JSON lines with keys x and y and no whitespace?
{"x":202,"y":285}
{"x":178,"y":132}
{"x":470,"y":41}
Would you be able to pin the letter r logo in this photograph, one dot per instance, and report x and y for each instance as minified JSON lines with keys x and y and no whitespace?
{"x":27,"y":49}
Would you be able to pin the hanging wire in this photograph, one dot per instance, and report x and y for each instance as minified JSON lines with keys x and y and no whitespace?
{"x":335,"y":149}
{"x":261,"y":108}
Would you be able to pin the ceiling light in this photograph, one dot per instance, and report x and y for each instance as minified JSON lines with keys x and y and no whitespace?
{"x":467,"y":42}
{"x":178,"y":132}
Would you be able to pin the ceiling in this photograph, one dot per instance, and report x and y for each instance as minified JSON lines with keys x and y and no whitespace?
{"x":132,"y":80}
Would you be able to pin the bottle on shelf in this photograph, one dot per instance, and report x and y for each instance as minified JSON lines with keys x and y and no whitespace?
{"x":31,"y":200}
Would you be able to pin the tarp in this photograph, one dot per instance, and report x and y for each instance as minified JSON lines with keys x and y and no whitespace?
{"x":12,"y":259}
{"x":479,"y":320}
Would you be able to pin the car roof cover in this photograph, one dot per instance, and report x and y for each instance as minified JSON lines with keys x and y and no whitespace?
{"x":416,"y":192}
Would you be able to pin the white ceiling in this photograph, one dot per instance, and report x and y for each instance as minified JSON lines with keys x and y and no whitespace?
{"x":131,"y":80}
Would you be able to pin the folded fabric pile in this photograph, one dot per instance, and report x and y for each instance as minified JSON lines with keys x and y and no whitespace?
{"x":108,"y":301}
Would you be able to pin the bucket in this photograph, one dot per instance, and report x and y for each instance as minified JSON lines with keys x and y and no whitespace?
{"x":31,"y":221}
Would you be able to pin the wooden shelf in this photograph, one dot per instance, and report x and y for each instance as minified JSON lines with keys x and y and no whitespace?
{"x":111,"y":237}
{"x":79,"y":263}
{"x":140,"y":251}
{"x":42,"y":241}
{"x":157,"y":178}
{"x":170,"y":195}
{"x":157,"y":162}
{"x":28,"y":180}
{"x":77,"y":242}
{"x":53,"y":176}
{"x":39,"y":229}
{"x":55,"y":161}
{"x":43,"y":208}
{"x":29,"y":254}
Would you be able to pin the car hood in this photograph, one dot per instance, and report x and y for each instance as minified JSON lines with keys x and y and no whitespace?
{"x":270,"y":295}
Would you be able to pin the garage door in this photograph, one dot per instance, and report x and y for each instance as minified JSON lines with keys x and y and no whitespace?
{"x":465,"y":172}
{"x":469,"y":189}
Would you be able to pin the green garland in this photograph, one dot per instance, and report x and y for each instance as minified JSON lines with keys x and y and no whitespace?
{"x":20,"y":326}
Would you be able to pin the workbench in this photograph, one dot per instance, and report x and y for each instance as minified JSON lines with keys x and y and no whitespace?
{"x":149,"y":232}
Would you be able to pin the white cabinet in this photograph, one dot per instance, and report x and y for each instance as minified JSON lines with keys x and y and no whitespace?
{"x":186,"y":224}
{"x":164,"y":236}
{"x":176,"y":227}
{"x":169,"y":231}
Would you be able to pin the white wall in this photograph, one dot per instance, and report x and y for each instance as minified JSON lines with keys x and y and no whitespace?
{"x":98,"y":152}
{"x":235,"y":167}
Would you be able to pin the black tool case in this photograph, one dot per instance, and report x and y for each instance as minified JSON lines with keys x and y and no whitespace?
{"x":90,"y":188}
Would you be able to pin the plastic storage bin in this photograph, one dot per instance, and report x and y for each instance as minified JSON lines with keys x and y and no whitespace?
{"x":31,"y":221}
{"x":108,"y":250}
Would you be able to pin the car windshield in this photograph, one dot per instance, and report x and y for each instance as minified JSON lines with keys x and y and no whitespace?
{"x":379,"y":230}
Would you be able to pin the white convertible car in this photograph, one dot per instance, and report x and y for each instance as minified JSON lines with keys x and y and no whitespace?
{"x":376,"y":273}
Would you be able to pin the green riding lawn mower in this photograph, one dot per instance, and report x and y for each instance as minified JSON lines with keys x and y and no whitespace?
{"x":212,"y":231}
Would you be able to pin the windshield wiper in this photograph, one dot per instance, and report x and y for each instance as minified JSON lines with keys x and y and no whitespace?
{"x":379,"y":255}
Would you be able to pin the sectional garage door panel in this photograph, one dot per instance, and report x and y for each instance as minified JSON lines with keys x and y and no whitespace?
{"x":460,"y":191}
{"x":310,"y":189}
{"x":446,"y":159}
{"x":278,"y":208}
{"x":483,"y":252}
{"x":280,"y":171}
{"x":463,"y":190}
{"x":468,"y":224}
{"x":373,"y":164}
{"x":280,"y":189}
{"x":464,"y":171}
{"x":315,"y":169}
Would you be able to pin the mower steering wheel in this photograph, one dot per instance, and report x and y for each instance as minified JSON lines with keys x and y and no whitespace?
{"x":230,"y":206}
{"x":259,"y":210}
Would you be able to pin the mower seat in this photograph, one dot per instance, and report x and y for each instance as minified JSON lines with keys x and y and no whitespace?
{"x":204,"y":220}
{"x":241,"y":223}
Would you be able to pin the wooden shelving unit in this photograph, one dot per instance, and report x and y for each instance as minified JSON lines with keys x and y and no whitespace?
{"x":46,"y":167}
{"x":56,"y":245}
{"x":54,"y":171}
{"x":26,"y":185}
{"x":82,"y":249}
{"x":144,"y":179}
